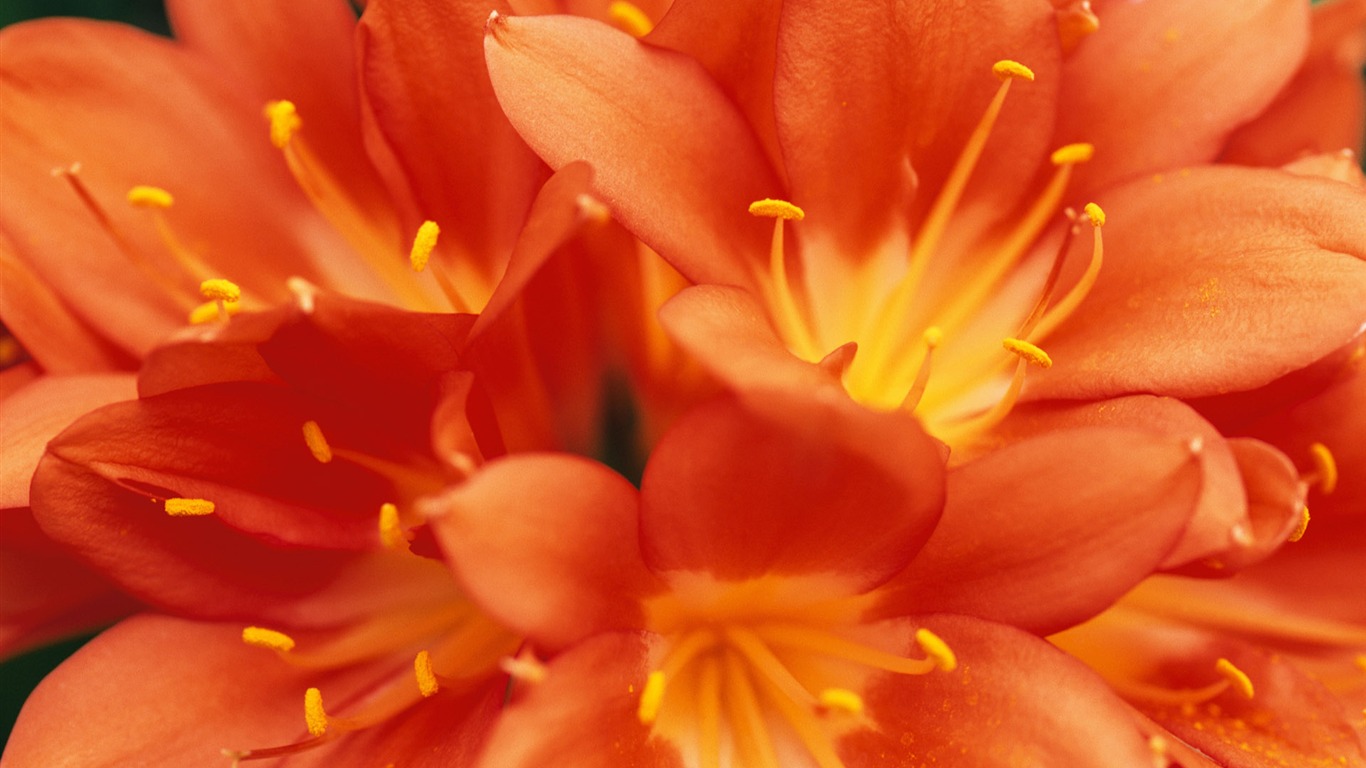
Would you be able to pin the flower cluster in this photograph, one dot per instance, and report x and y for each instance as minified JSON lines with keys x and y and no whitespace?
{"x":696,"y":383}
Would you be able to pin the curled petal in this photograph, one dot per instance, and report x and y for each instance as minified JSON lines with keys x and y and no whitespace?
{"x":788,"y":484}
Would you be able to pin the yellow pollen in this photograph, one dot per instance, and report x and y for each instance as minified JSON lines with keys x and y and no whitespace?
{"x":150,"y":197}
{"x":260,"y":637}
{"x":1237,"y":677}
{"x":630,"y":18}
{"x":284,"y":122}
{"x":390,"y":529}
{"x":776,"y":209}
{"x":1028,"y":351}
{"x":1303,"y":526}
{"x":936,"y":649}
{"x":1095,"y":214}
{"x":208,"y":312}
{"x":314,"y":715}
{"x":317,"y":444}
{"x":933,"y":337}
{"x":189,"y":507}
{"x":426,"y":678}
{"x":842,"y":699}
{"x":1326,"y":465}
{"x":1072,"y":154}
{"x":651,"y":697}
{"x":1007,"y":70}
{"x":423,"y":244}
{"x":219,"y":289}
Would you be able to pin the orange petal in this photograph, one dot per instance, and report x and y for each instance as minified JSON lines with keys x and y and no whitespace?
{"x":446,"y":145}
{"x":1216,"y":280}
{"x":549,"y":544}
{"x":1050,"y":530}
{"x":1324,"y":108}
{"x":1012,"y":694}
{"x":794,"y":485}
{"x":1162,"y":83}
{"x":674,"y":159}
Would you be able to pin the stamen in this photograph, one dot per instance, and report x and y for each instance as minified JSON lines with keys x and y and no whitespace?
{"x":260,"y":637}
{"x":630,"y":18}
{"x":1325,"y":467}
{"x":426,"y":678}
{"x":1007,"y":69}
{"x":709,"y":713}
{"x":391,"y":533}
{"x":1026,"y":351}
{"x":651,"y":696}
{"x":843,"y":700}
{"x":423,"y":244}
{"x":789,"y":316}
{"x":189,"y":507}
{"x":1236,"y":677}
{"x":284,"y":122}
{"x":932,"y":338}
{"x":314,"y":715}
{"x":751,"y":735}
{"x":316,"y":442}
{"x":1064,"y":309}
{"x":219,"y":289}
{"x":525,"y":667}
{"x":804,"y":724}
{"x":826,"y":644}
{"x":1072,"y":154}
{"x":936,"y":649}
{"x":149,"y":197}
{"x":1303,"y":525}
{"x":208,"y":312}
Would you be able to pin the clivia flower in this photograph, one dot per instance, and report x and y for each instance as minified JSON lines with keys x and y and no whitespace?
{"x":924,"y":257}
{"x":783,"y":591}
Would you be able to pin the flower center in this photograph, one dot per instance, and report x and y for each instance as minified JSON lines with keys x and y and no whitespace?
{"x":921,"y":346}
{"x":740,"y":690}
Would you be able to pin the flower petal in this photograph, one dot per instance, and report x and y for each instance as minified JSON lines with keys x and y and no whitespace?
{"x":35,"y":414}
{"x":1051,"y":530}
{"x":790,"y":485}
{"x":1324,"y":108}
{"x":1215,"y":280}
{"x":454,"y":154}
{"x":578,"y":90}
{"x":1014,"y":700}
{"x":1162,"y":83}
{"x":101,"y":95}
{"x":548,"y":544}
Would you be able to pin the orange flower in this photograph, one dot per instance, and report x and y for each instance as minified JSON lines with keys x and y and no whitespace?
{"x":923,"y":255}
{"x":756,"y":602}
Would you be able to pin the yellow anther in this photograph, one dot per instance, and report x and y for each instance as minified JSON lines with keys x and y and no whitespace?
{"x":284,"y":122}
{"x":776,"y":209}
{"x":936,"y":649}
{"x":933,"y":337}
{"x":219,"y":289}
{"x":651,"y":697}
{"x":630,"y":18}
{"x":314,"y":714}
{"x":317,"y":443}
{"x":149,"y":197}
{"x":1008,"y":70}
{"x":1072,"y":154}
{"x":261,"y":637}
{"x":1028,"y":351}
{"x":1303,"y":526}
{"x":189,"y":507}
{"x":1095,"y":214}
{"x":1326,"y":465}
{"x":208,"y":312}
{"x":426,"y":678}
{"x":423,"y":244}
{"x":843,"y":700}
{"x":1236,"y":677}
{"x":390,"y":529}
